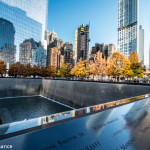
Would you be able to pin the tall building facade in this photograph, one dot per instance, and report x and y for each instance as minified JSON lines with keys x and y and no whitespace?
{"x":111,"y":50}
{"x":26,"y":48}
{"x":149,"y":55}
{"x":106,"y":49}
{"x":29,"y":18}
{"x":141,"y":44}
{"x":55,"y":53}
{"x":7,"y":48}
{"x":68,"y":53}
{"x":51,"y":37}
{"x":82,"y":42}
{"x":39,"y":57}
{"x":128,"y":26}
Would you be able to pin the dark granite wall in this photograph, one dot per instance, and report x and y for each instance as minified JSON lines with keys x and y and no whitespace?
{"x":81,"y":94}
{"x":73,"y":93}
{"x":10,"y":87}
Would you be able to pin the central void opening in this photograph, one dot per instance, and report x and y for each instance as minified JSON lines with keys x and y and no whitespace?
{"x":21,"y":108}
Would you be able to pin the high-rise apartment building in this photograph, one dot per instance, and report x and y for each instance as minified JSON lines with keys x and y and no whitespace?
{"x":55,"y":57}
{"x":128,"y":26}
{"x":55,"y":53}
{"x":106,"y":49}
{"x":52,"y":56}
{"x":29,"y":19}
{"x":82,"y":42}
{"x":68,"y":53}
{"x":7,"y":48}
{"x":141,"y":44}
{"x":111,"y":50}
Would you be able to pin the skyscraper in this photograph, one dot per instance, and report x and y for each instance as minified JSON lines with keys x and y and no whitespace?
{"x":82,"y":42}
{"x":68,"y":53}
{"x":141,"y":44}
{"x":51,"y":37}
{"x":7,"y":48}
{"x":55,"y":53}
{"x":128,"y":26}
{"x":29,"y":18}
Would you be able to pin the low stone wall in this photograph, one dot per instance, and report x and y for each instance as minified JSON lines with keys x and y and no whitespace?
{"x":82,"y":94}
{"x":10,"y":87}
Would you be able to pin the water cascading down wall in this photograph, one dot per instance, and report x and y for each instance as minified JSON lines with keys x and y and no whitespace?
{"x":74,"y":93}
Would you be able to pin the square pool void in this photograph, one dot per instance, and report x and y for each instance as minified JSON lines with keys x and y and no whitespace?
{"x":21,"y":108}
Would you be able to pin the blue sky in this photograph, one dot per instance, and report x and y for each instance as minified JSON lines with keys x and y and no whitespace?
{"x":64,"y":16}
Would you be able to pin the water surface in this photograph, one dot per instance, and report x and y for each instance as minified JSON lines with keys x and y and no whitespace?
{"x":17,"y":109}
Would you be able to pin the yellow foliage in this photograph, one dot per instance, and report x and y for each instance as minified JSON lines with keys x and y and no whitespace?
{"x":118,"y":65}
{"x":100,"y":63}
{"x":81,"y":69}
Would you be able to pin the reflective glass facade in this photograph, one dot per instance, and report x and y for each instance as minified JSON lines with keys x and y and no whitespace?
{"x":128,"y":26}
{"x":7,"y":48}
{"x":39,"y":57}
{"x":29,"y":18}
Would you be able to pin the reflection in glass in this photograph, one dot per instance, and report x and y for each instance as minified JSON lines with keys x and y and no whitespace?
{"x":29,"y":19}
{"x":7,"y":48}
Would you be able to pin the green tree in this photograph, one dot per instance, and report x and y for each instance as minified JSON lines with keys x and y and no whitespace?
{"x":2,"y":68}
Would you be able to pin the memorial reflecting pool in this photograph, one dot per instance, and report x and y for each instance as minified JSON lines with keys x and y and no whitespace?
{"x":18,"y":109}
{"x":122,"y":128}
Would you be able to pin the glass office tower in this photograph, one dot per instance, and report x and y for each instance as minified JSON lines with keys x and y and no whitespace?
{"x":7,"y":48}
{"x":29,"y":18}
{"x":128,"y":26}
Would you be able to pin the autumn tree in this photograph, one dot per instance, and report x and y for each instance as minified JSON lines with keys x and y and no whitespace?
{"x":48,"y":71}
{"x":28,"y":71}
{"x":64,"y":70}
{"x":51,"y":71}
{"x":44,"y":72}
{"x":100,"y":63}
{"x":136,"y":66}
{"x":127,"y":71}
{"x":118,"y":65}
{"x":81,"y":69}
{"x":36,"y":71}
{"x":92,"y":69}
{"x":16,"y":69}
{"x":2,"y":68}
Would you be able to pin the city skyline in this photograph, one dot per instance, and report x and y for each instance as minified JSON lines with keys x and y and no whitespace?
{"x":101,"y":23}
